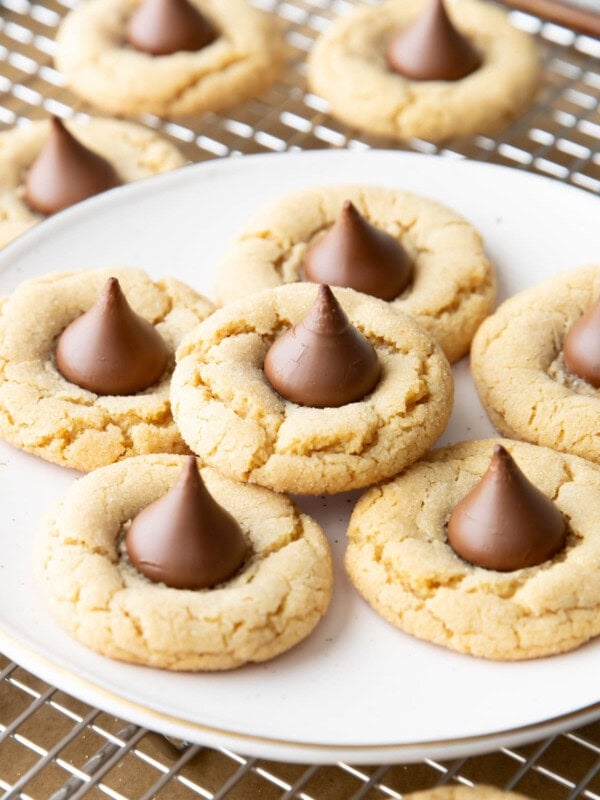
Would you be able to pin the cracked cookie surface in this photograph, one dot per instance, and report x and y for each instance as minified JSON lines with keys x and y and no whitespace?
{"x":347,"y":66}
{"x":45,"y":414}
{"x":399,"y":559}
{"x":232,"y":418}
{"x":464,"y":793}
{"x":242,"y":62}
{"x":453,"y":287}
{"x":135,"y":152}
{"x":519,"y":370}
{"x":273,"y":601}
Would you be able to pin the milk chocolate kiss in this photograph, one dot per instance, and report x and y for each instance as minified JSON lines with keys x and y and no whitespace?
{"x":505,"y":522}
{"x":110,"y":349}
{"x":186,"y":539}
{"x":66,"y":172}
{"x":323,"y":361}
{"x":162,"y":27}
{"x":356,"y":254}
{"x":581,"y":347}
{"x":431,"y":49}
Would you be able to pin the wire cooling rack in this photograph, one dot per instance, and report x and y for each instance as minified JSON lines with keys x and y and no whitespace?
{"x":54,"y":747}
{"x":558,"y":136}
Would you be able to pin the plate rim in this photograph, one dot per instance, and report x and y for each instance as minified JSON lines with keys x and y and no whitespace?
{"x":287,"y":750}
{"x":27,"y":238}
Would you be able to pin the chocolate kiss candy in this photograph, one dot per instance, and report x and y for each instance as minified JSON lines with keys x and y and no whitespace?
{"x":162,"y":27}
{"x":323,"y":361}
{"x":505,"y":522}
{"x":110,"y":349}
{"x":581,"y":347}
{"x":186,"y":539}
{"x":356,"y":254}
{"x":431,"y":49}
{"x":66,"y":172}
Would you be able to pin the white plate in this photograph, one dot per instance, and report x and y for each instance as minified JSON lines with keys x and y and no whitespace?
{"x":357,"y":689}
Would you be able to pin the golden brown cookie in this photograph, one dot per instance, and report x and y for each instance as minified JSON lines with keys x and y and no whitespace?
{"x":242,"y":62}
{"x":269,"y":605}
{"x":399,"y":559}
{"x":347,"y":66}
{"x":134,"y":151}
{"x":465,"y":793}
{"x":234,"y":420}
{"x":45,"y":414}
{"x":519,"y":369}
{"x":453,"y":286}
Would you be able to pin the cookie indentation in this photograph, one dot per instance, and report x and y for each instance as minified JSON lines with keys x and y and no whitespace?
{"x":348,"y":67}
{"x":46,"y":414}
{"x":269,"y":605}
{"x":230,"y":415}
{"x":399,"y":559}
{"x":519,"y":369}
{"x":452,"y":284}
{"x":242,"y":61}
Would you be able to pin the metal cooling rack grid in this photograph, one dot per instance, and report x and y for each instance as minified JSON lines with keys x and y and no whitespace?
{"x":559,"y":136}
{"x":52,"y":746}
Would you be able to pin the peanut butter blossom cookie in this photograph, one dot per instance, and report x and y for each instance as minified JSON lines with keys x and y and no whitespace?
{"x":464,"y":793}
{"x":536,"y":364}
{"x":427,"y":68}
{"x":482,"y":547}
{"x":168,"y":57}
{"x":86,"y":361}
{"x":300,"y":389}
{"x":150,"y":562}
{"x":47,"y":166}
{"x":418,"y":255}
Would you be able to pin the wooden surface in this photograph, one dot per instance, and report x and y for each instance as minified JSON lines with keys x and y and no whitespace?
{"x":577,"y":16}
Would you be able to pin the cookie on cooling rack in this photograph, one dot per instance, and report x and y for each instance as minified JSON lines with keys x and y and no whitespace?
{"x":85,"y":364}
{"x":361,"y":390}
{"x":464,"y":793}
{"x":417,"y":254}
{"x":486,"y":547}
{"x":168,"y":57}
{"x":274,"y":589}
{"x":418,"y":68}
{"x":535,"y":381}
{"x":48,"y":165}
